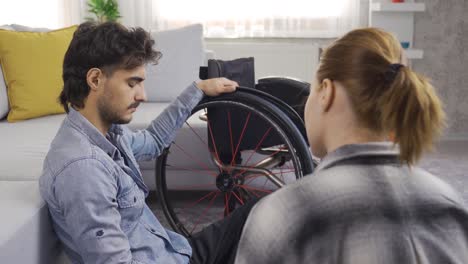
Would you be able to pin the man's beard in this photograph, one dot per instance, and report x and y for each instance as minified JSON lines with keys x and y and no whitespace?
{"x":108,"y":115}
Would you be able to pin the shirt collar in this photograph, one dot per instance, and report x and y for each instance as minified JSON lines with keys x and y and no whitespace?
{"x":83,"y":124}
{"x":355,"y":151}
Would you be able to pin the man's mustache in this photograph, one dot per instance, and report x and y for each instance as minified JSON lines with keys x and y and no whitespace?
{"x":134,"y":105}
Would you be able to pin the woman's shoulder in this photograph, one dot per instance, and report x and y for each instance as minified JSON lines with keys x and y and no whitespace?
{"x":433,"y":188}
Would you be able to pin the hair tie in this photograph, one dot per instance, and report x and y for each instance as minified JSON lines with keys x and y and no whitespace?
{"x":396,"y":66}
{"x":391,"y":73}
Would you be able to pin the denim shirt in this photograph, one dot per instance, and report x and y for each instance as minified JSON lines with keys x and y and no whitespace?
{"x":96,"y":194}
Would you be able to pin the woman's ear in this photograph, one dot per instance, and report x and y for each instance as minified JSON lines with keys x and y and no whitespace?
{"x":327,"y":94}
{"x":93,"y":78}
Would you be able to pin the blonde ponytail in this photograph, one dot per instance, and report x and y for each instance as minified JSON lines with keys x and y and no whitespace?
{"x":411,"y":110}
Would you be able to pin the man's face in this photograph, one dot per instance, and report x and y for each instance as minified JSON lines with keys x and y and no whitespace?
{"x":123,"y":92}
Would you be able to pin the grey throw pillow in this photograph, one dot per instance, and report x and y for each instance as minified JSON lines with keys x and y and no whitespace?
{"x":4,"y":106}
{"x":183,"y":54}
{"x":29,"y":29}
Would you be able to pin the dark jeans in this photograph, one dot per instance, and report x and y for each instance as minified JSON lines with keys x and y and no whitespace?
{"x":218,"y":242}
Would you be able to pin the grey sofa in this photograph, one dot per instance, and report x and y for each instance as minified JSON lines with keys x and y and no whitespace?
{"x":26,"y":234}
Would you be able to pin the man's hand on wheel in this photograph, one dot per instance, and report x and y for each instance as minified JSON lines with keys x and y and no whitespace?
{"x":217,"y":86}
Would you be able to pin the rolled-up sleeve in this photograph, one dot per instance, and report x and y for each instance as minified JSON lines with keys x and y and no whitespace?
{"x":148,"y":144}
{"x":86,"y":193}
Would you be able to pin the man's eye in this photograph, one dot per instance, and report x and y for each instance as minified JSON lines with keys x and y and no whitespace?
{"x":131,"y":85}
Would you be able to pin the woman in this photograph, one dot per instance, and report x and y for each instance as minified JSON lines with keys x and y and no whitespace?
{"x":365,"y":202}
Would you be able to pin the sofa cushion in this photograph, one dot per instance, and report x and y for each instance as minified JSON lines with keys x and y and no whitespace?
{"x":26,"y":234}
{"x":4,"y":106}
{"x":33,"y":84}
{"x":183,"y":54}
{"x":27,"y":142}
{"x":25,"y":145}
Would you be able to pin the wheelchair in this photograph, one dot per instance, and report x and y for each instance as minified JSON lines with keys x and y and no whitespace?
{"x":255,"y":143}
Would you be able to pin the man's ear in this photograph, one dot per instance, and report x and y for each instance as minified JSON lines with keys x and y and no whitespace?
{"x":327,"y":94}
{"x":94,"y":78}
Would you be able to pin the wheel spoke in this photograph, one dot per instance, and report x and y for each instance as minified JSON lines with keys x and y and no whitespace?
{"x":250,"y":179}
{"x":190,"y":169}
{"x":204,"y":211}
{"x":226,"y":204}
{"x":264,"y":184}
{"x":198,"y":135}
{"x":200,"y":163}
{"x":214,"y":143}
{"x":237,"y":197}
{"x":188,"y":187}
{"x":240,"y":137}
{"x":281,"y":172}
{"x":230,"y":132}
{"x":255,"y":189}
{"x":258,"y":145}
{"x":226,"y":207}
{"x":199,"y":200}
{"x":250,"y":192}
{"x":253,"y":166}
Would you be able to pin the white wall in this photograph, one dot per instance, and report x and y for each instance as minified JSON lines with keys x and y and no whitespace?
{"x":273,"y":57}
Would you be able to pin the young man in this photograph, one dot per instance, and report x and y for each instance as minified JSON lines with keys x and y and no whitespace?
{"x":91,"y":180}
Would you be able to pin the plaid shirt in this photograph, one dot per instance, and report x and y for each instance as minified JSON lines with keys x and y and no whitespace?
{"x":360,"y":206}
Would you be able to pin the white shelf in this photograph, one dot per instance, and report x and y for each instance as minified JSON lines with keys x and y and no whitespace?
{"x":398,"y":7}
{"x":397,"y":18}
{"x":414,"y":53}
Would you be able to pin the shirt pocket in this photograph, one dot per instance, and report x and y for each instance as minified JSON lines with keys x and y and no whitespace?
{"x":131,"y":204}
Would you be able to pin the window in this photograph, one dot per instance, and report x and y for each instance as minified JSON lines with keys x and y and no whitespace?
{"x":32,"y":13}
{"x":220,"y":18}
{"x":260,"y":18}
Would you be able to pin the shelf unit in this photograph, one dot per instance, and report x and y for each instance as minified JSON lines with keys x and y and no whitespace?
{"x":398,"y":7}
{"x":399,"y":19}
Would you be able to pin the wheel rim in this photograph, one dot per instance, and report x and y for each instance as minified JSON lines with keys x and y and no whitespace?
{"x":221,"y":184}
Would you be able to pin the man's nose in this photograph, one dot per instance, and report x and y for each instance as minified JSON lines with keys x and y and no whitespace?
{"x":141,"y":94}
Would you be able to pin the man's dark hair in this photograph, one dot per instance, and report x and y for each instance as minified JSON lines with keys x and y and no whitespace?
{"x":108,"y":46}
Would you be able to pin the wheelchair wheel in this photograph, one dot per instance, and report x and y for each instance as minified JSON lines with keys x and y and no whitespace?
{"x":218,"y":167}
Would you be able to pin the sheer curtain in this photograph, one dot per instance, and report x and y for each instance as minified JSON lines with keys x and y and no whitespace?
{"x":260,"y":18}
{"x":32,"y":13}
{"x":239,"y":18}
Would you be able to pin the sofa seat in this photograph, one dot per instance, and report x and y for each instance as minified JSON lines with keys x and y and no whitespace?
{"x":26,"y":235}
{"x":25,"y":145}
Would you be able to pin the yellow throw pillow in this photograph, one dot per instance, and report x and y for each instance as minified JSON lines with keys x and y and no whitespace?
{"x":32,"y":68}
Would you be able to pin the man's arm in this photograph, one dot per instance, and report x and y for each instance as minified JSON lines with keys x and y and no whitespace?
{"x":86,"y":193}
{"x":148,"y":144}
